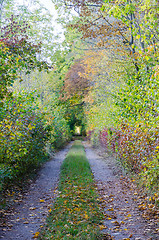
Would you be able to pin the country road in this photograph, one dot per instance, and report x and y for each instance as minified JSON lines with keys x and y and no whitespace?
{"x":30,"y":214}
{"x":117,"y":193}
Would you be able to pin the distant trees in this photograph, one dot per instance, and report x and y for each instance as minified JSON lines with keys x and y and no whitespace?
{"x":76,"y":84}
{"x":104,"y":76}
{"x":119,"y":51}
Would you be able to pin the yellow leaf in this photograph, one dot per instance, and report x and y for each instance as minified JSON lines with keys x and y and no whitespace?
{"x":147,"y":58}
{"x":36,"y":234}
{"x":30,"y":127}
{"x":101,"y":227}
{"x":42,"y":200}
{"x":110,"y":209}
{"x":138,"y":37}
{"x":86,"y":216}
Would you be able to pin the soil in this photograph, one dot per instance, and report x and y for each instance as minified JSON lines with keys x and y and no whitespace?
{"x":123,"y":205}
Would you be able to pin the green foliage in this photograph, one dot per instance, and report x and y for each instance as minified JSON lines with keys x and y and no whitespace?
{"x":16,"y":53}
{"x":128,"y":102}
{"x":120,"y":60}
{"x":150,"y":173}
{"x":22,"y":138}
{"x":31,"y":128}
{"x":32,"y":123}
{"x":58,"y":129}
{"x":95,"y":137}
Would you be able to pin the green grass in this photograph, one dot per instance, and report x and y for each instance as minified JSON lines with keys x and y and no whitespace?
{"x":76,"y":213}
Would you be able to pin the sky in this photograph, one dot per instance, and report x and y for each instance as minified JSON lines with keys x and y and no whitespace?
{"x":58,"y":33}
{"x":47,"y":3}
{"x":50,"y":6}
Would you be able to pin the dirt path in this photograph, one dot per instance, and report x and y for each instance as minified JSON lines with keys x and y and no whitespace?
{"x":119,"y":198}
{"x":123,"y":206}
{"x":29,"y":215}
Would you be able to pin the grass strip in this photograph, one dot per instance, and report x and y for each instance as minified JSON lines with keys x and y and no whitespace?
{"x":76,"y":213}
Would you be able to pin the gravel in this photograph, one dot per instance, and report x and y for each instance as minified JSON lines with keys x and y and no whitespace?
{"x":29,"y":215}
{"x":120,"y":199}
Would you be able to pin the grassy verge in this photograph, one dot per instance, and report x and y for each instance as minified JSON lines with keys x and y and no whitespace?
{"x":76,"y":213}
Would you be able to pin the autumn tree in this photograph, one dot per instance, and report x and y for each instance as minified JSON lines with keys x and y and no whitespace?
{"x":74,"y":90}
{"x":129,"y":115}
{"x":17,"y":53}
{"x":75,"y":83}
{"x":129,"y":30}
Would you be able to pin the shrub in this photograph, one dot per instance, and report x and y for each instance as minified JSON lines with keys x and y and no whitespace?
{"x":136,"y":147}
{"x":22,"y":139}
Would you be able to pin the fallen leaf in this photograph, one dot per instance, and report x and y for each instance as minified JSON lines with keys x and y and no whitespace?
{"x":115,"y":222}
{"x":36,"y":234}
{"x":101,"y":227}
{"x":129,"y":215}
{"x":32,"y":208}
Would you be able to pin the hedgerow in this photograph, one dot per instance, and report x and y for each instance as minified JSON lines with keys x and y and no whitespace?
{"x":22,"y":139}
{"x":136,"y":148}
{"x":27,"y":137}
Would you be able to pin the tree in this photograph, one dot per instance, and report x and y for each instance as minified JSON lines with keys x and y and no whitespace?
{"x":17,"y":53}
{"x":76,"y":85}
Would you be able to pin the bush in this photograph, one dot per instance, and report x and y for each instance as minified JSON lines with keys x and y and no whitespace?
{"x":95,"y":137}
{"x":22,"y":139}
{"x":136,"y":147}
{"x":58,"y":130}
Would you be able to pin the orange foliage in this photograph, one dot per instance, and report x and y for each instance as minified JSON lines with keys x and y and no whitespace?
{"x":75,"y":82}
